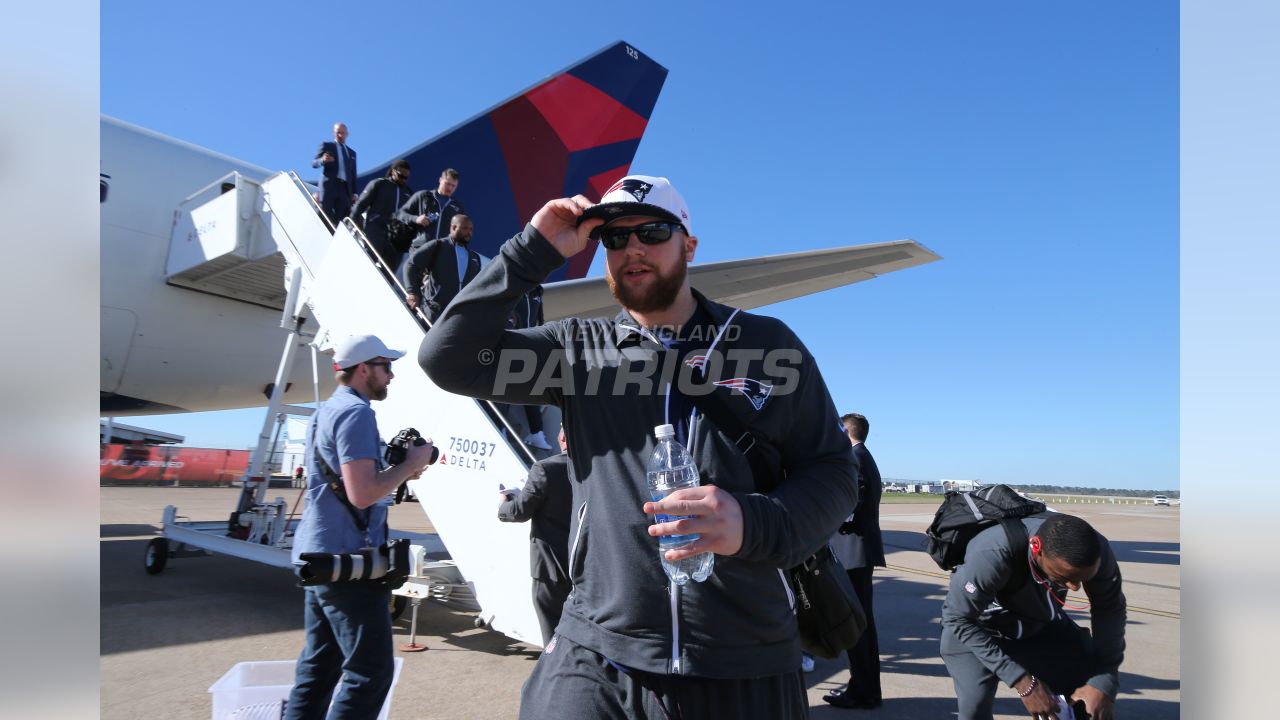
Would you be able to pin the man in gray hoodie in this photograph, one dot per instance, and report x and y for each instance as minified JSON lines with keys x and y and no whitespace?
{"x":1004,"y":619}
{"x":631,"y":644}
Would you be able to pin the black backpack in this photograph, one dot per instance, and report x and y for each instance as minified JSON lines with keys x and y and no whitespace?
{"x":965,"y":514}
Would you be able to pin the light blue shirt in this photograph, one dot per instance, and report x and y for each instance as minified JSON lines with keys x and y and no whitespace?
{"x":463,"y":257}
{"x":343,"y":429}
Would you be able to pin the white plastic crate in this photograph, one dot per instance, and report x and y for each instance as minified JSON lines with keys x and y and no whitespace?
{"x":268,"y":681}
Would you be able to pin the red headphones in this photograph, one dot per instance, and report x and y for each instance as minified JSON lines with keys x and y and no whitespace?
{"x":1035,"y":544}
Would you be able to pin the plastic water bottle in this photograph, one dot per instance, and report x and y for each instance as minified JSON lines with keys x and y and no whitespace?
{"x":671,"y":469}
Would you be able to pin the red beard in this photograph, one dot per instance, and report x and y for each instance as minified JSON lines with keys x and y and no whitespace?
{"x":659,"y":295}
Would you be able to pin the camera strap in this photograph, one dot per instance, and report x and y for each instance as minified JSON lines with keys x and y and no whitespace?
{"x":339,"y":489}
{"x":340,"y":492}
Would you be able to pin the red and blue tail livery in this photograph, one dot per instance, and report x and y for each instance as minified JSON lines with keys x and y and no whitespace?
{"x":575,"y":132}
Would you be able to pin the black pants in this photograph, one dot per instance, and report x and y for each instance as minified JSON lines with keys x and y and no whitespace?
{"x":571,"y":682}
{"x":548,"y":602}
{"x":336,"y":200}
{"x":1061,"y":656}
{"x":532,"y":415}
{"x":864,"y":658}
{"x":381,"y":243}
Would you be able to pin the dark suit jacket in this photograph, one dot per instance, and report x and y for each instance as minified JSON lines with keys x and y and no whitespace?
{"x":547,"y":500}
{"x":866,"y":518}
{"x":331,"y":169}
{"x":432,"y":271}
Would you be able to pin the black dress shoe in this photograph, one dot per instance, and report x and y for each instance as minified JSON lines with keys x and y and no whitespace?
{"x":842,"y":699}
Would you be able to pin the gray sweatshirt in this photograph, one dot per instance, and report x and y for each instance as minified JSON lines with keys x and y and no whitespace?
{"x":973,"y":615}
{"x":740,"y":622}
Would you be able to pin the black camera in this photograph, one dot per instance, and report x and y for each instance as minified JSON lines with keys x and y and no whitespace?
{"x":398,"y":448}
{"x":387,"y":563}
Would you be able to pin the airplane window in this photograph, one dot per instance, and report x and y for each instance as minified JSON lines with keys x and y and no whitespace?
{"x":102,"y":188}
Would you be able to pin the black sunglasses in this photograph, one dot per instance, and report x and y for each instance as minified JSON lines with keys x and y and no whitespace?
{"x":384,"y":363}
{"x":652,"y":233}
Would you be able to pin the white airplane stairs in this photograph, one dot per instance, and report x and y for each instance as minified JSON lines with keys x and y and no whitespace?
{"x":336,"y":278}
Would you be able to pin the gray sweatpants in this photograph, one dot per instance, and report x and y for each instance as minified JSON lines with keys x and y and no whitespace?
{"x":571,"y":682}
{"x":1061,"y":656}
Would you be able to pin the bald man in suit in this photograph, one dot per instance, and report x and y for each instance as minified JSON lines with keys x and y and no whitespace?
{"x":338,"y":186}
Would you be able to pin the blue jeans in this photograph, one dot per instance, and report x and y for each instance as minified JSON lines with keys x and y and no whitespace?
{"x":348,"y":646}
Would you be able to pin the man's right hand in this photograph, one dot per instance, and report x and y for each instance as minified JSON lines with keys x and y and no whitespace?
{"x":1040,"y":701}
{"x":412,"y":300}
{"x":422,"y":220}
{"x":558,"y":223}
{"x":326,"y":158}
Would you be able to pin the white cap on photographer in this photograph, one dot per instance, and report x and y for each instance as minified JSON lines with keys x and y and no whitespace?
{"x":356,"y":349}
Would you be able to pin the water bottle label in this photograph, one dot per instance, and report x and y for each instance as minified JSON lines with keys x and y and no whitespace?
{"x":670,"y":541}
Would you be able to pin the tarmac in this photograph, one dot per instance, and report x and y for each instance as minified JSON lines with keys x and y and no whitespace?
{"x":166,"y":638}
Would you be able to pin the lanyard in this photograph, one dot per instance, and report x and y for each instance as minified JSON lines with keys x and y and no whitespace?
{"x":666,"y":413}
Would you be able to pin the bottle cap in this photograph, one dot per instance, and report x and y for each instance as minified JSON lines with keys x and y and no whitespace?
{"x":664,"y":432}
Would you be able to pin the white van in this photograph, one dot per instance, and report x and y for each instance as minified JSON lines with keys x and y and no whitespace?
{"x":1160,"y":500}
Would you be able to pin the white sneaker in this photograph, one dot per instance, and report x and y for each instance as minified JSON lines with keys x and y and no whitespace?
{"x":806,"y":662}
{"x":537,"y":440}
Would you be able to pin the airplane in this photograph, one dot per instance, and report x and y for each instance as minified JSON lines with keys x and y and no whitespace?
{"x":208,"y":262}
{"x":184,"y":339}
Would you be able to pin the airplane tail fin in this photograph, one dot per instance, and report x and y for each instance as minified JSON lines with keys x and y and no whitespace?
{"x":574,"y":132}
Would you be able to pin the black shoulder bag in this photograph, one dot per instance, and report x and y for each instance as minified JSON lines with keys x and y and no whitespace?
{"x":828,"y":613}
{"x":400,"y":234}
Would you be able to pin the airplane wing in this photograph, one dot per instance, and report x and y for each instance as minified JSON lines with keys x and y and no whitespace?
{"x":753,"y":282}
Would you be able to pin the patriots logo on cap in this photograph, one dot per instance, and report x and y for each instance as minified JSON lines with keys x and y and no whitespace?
{"x":637,"y":189}
{"x":755,"y":391}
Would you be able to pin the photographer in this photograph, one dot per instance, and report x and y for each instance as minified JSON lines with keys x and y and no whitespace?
{"x":348,"y":624}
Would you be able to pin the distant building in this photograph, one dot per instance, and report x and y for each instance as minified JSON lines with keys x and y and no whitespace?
{"x":110,"y":431}
{"x":961,"y":485}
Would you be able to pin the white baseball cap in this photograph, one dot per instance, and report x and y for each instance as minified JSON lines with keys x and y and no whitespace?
{"x":641,"y":195}
{"x":362,"y":348}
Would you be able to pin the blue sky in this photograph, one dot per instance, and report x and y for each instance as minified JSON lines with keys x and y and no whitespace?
{"x":1033,"y":145}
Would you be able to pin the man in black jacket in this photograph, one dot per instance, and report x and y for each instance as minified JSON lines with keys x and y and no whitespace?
{"x":338,"y":186}
{"x":1004,"y":619}
{"x":433,"y":210}
{"x":438,"y":269}
{"x":860,"y":549}
{"x":630,"y":643}
{"x":377,"y":206}
{"x":546,"y":500}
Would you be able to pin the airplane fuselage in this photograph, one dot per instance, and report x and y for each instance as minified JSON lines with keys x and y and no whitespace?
{"x":166,"y":348}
